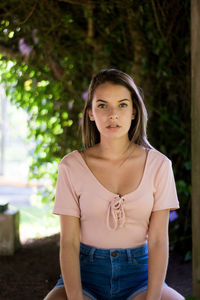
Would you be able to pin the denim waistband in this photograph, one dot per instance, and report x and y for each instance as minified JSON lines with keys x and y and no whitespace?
{"x":122,"y":252}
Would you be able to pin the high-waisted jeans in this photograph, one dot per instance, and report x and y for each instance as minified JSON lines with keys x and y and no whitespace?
{"x":118,"y":274}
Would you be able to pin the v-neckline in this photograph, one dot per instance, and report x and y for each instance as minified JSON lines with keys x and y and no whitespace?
{"x":103,"y":187}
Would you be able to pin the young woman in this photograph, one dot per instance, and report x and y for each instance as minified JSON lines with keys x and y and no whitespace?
{"x":114,"y":199}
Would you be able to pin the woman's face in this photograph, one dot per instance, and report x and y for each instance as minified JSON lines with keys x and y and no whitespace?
{"x":112,"y":110}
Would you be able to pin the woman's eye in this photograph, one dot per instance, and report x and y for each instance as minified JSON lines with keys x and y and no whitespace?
{"x":101,"y":105}
{"x":123,"y":104}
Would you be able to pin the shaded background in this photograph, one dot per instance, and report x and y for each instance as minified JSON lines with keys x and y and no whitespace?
{"x":50,"y":49}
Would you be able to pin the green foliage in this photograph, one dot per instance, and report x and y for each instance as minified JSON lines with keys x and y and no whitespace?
{"x":168,"y":65}
{"x":65,"y":44}
{"x":48,"y":120}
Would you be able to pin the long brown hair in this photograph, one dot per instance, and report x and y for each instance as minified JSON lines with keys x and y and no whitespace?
{"x":137,"y":131}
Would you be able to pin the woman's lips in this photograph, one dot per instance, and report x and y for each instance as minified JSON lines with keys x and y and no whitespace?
{"x":113,"y":126}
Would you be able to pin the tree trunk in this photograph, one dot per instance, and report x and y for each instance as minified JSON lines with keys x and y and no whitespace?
{"x":195,"y":115}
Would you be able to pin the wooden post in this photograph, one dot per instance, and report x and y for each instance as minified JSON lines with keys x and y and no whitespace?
{"x":195,"y":115}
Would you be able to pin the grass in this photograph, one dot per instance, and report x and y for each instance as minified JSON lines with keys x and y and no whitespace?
{"x":37,"y":222}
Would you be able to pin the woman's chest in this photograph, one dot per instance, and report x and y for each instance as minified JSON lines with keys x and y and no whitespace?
{"x":116,"y":178}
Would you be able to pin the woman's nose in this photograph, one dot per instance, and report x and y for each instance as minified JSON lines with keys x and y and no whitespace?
{"x":113,"y":113}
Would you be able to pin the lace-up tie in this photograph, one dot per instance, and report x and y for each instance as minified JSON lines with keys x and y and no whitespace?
{"x":116,"y":213}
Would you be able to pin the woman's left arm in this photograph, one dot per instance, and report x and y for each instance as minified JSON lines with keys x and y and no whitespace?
{"x":158,"y":247}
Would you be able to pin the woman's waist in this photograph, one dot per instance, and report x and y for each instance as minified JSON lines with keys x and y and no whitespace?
{"x":122,"y":238}
{"x":113,"y":252}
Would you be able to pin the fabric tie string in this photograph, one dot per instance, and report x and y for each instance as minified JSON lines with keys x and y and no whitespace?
{"x":116,"y":213}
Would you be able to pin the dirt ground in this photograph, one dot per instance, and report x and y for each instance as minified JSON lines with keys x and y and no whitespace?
{"x":34,"y":269}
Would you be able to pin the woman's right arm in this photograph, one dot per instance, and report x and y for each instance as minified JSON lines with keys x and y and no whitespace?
{"x":69,"y":256}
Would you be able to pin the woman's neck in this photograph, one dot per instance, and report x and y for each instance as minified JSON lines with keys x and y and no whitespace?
{"x":114,"y":149}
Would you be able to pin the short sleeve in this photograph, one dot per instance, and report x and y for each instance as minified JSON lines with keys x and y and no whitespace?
{"x":66,"y":200}
{"x":165,"y":196}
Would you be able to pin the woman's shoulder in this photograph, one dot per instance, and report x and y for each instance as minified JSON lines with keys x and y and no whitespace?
{"x":159,"y":156}
{"x":69,"y":157}
{"x":159,"y":163}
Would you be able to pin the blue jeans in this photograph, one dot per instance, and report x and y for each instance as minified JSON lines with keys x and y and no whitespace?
{"x":118,"y":274}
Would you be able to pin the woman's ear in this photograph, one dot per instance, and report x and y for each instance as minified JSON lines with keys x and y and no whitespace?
{"x":90,"y":114}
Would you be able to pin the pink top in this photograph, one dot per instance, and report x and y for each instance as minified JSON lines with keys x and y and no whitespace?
{"x":108,"y":220}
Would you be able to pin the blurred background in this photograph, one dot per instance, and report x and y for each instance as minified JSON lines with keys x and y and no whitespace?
{"x":36,"y":219}
{"x":49,"y":50}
